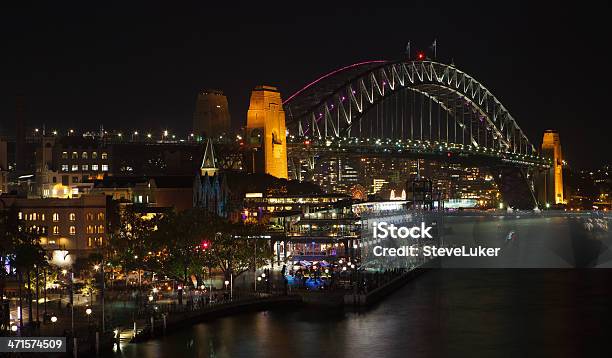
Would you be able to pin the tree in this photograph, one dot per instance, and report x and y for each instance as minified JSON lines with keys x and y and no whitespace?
{"x":131,"y":237}
{"x":236,"y":249}
{"x":178,"y":244}
{"x":28,"y":254}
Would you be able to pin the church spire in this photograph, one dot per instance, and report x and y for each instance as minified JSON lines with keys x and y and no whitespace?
{"x":209,"y":161}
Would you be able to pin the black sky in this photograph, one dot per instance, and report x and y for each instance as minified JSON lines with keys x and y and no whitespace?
{"x":131,"y":65}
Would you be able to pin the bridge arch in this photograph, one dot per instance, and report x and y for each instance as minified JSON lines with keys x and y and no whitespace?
{"x":336,"y":104}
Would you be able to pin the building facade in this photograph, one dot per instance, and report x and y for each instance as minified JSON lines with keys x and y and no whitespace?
{"x":78,"y":226}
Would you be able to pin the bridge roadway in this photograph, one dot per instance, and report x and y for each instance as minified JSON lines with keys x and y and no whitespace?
{"x":300,"y":147}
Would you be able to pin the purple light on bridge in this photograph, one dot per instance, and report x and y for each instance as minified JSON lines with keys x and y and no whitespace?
{"x":331,"y":74}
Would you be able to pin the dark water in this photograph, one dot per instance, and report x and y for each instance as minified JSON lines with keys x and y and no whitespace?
{"x":444,"y":313}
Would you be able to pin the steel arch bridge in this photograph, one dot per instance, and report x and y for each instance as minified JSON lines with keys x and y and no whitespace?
{"x":405,"y":108}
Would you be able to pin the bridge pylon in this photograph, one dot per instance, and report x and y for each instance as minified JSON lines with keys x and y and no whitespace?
{"x":266,"y":133}
{"x":551,"y":182}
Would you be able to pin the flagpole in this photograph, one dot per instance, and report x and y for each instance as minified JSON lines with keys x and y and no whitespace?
{"x":435,"y":46}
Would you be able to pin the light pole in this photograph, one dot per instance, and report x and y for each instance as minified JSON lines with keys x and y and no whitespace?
{"x":72,"y":301}
{"x":88,"y":312}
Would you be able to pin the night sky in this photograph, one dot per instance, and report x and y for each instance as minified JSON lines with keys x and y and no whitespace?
{"x":139,"y":66}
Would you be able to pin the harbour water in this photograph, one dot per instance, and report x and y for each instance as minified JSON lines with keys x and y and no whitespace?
{"x":542,"y":297}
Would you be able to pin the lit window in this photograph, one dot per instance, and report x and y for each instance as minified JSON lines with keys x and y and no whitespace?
{"x":90,"y":216}
{"x":94,"y":167}
{"x":42,"y":217}
{"x":55,"y":217}
{"x":75,"y":167}
{"x":89,"y":229}
{"x":75,"y":155}
{"x":72,"y":230}
{"x":20,"y":215}
{"x":104,"y":167}
{"x":56,"y":230}
{"x":89,"y":242}
{"x":94,"y":155}
{"x":84,"y":155}
{"x":64,"y":155}
{"x":104,"y":155}
{"x":100,"y":216}
{"x":72,"y":216}
{"x":101,"y":229}
{"x":64,"y":167}
{"x":84,"y":167}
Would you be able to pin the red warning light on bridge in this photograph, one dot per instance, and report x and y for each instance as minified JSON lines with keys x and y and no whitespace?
{"x":420,"y":55}
{"x":307,"y":142}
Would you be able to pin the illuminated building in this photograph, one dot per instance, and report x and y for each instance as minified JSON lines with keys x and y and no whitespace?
{"x":377,"y":185}
{"x":260,"y":203}
{"x":266,"y":132}
{"x":211,"y":117}
{"x":78,"y":226}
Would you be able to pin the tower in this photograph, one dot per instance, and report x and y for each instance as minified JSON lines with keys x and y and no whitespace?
{"x":266,"y":132}
{"x":211,"y":117}
{"x":553,"y":182}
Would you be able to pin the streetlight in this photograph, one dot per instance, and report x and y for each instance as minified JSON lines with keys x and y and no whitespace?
{"x":88,"y":312}
{"x":53,"y":318}
{"x":96,"y":267}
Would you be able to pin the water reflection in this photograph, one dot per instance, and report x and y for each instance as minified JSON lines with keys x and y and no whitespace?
{"x":447,"y":312}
